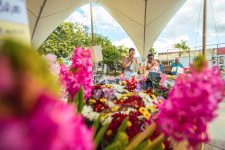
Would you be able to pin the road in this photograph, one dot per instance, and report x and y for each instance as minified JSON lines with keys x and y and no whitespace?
{"x":217,"y":131}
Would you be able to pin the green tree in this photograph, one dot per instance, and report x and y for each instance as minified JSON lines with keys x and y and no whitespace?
{"x":182,"y":46}
{"x":64,"y":38}
{"x":152,"y":51}
{"x":68,"y":35}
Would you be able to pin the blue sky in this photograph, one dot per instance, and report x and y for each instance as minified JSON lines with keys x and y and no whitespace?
{"x":183,"y":26}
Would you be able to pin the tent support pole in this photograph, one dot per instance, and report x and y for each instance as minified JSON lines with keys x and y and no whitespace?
{"x":92,"y":39}
{"x":145,"y":15}
{"x":204,"y":28}
{"x":92,"y":28}
{"x":38,"y":18}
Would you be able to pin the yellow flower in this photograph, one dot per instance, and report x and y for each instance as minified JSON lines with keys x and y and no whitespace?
{"x":92,"y":100}
{"x":130,"y":93}
{"x":109,"y":132}
{"x":153,"y":90}
{"x":129,"y":124}
{"x":160,"y":101}
{"x":153,"y":96}
{"x":124,"y":95}
{"x":115,"y":108}
{"x":150,"y":109}
{"x":153,"y":106}
{"x":163,"y":146}
{"x":103,"y":100}
{"x":142,"y":110}
{"x":147,"y":115}
{"x":145,"y":112}
{"x":124,"y":82}
{"x":104,"y":116}
{"x":109,"y":86}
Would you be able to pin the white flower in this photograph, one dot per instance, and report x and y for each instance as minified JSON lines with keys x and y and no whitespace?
{"x":119,"y":88}
{"x":93,"y":116}
{"x":108,"y":120}
{"x":110,"y":104}
{"x":146,"y":99}
{"x":128,"y":111}
{"x":89,"y":113}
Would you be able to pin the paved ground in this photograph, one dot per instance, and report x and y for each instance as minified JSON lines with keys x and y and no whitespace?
{"x":217,"y":131}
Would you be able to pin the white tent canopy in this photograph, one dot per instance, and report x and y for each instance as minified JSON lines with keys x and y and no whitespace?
{"x":143,"y":20}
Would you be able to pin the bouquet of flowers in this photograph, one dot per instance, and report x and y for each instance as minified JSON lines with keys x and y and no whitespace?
{"x":111,"y":104}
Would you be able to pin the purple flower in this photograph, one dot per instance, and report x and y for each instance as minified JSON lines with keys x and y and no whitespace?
{"x":191,"y":105}
{"x":51,"y":125}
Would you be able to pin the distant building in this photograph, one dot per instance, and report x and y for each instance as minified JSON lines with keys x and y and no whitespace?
{"x":187,"y":57}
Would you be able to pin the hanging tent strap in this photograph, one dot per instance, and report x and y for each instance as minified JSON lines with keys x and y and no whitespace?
{"x":92,"y":28}
{"x":38,"y":18}
{"x":198,"y":20}
{"x":145,"y":16}
{"x":214,"y":21}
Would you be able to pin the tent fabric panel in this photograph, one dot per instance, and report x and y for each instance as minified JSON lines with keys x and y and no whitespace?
{"x":128,"y":13}
{"x":34,"y":6}
{"x":47,"y":25}
{"x":32,"y":20}
{"x":54,"y":13}
{"x":134,"y":30}
{"x":158,"y":25}
{"x":132,"y":9}
{"x":62,"y":5}
{"x":157,"y":17}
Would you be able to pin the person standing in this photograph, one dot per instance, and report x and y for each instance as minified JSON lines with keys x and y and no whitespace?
{"x":177,"y":67}
{"x":161,"y":67}
{"x":129,"y":64}
{"x":152,"y":65}
{"x":152,"y":72}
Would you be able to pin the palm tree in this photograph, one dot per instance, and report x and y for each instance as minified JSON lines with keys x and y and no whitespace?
{"x":182,"y":46}
{"x":152,"y":51}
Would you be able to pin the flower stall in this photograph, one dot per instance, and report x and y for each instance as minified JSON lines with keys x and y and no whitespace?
{"x":41,"y":111}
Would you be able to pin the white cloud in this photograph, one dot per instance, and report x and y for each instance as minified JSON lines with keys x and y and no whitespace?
{"x":127,"y":42}
{"x":168,"y":43}
{"x":101,"y":18}
{"x":184,"y":25}
{"x":78,"y":17}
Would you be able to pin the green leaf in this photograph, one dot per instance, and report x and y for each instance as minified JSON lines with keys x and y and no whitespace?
{"x":160,"y":147}
{"x":142,"y":144}
{"x":156,"y":144}
{"x":100,"y":134}
{"x":120,"y":143}
{"x":141,"y":136}
{"x":79,"y":99}
{"x":121,"y":128}
{"x":113,"y":146}
{"x":96,"y":125}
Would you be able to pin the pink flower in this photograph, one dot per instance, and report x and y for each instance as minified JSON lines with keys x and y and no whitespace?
{"x":191,"y":105}
{"x":79,"y":74}
{"x":7,"y":78}
{"x":51,"y":125}
{"x":53,"y":64}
